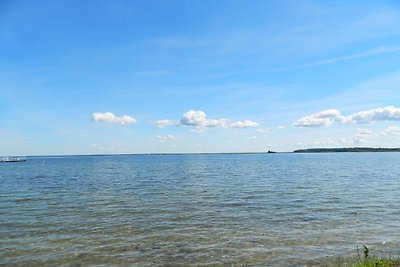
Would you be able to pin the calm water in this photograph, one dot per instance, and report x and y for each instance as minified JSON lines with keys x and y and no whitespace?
{"x":185,"y":210}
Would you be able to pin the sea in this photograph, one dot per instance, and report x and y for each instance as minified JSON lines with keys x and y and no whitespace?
{"x":283,"y":209}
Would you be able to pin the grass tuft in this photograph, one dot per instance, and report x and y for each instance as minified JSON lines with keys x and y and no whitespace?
{"x":371,"y":261}
{"x":375,"y":262}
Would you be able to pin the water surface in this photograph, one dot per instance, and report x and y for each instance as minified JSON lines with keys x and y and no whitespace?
{"x":190,"y":210}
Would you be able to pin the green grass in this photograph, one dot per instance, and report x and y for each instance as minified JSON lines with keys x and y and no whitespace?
{"x":370,"y":261}
{"x":374,"y":262}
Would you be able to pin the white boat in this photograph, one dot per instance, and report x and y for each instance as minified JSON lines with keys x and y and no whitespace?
{"x":12,"y":159}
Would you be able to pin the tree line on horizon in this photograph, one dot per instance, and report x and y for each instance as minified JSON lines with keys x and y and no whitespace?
{"x":346,"y":149}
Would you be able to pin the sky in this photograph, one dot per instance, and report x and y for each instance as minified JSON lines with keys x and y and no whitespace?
{"x":178,"y":76}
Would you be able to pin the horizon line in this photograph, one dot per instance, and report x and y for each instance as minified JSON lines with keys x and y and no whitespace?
{"x":152,"y":154}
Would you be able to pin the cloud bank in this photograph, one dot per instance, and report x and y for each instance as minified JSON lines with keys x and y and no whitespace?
{"x":328,"y":117}
{"x":379,"y":114}
{"x":199,"y":120}
{"x":110,"y":117}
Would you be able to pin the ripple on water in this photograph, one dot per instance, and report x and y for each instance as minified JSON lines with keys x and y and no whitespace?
{"x":285,"y":210}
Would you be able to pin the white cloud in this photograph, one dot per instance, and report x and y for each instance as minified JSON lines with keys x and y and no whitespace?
{"x":164,"y":123}
{"x":244,"y":124}
{"x":110,"y":117}
{"x":199,"y":119}
{"x":363,"y":132}
{"x":328,"y":117}
{"x":352,"y":140}
{"x":252,"y":137}
{"x":322,"y":118}
{"x":167,"y":138}
{"x":391,"y":130}
{"x":379,"y":114}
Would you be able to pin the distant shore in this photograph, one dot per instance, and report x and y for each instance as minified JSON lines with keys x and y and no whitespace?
{"x":346,"y":149}
{"x":307,"y":150}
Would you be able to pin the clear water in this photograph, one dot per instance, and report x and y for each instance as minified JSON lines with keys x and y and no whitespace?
{"x":191,"y":210}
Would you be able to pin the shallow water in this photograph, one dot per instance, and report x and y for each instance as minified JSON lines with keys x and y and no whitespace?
{"x":190,"y":210}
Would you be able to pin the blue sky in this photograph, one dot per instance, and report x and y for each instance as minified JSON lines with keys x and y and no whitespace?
{"x":197,"y":76}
